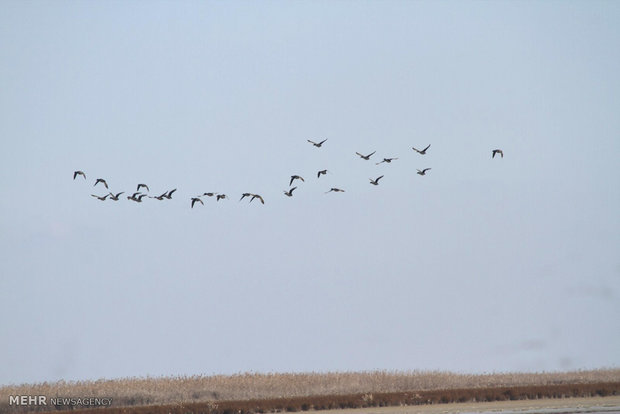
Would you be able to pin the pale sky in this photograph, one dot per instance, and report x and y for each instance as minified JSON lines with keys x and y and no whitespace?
{"x":482,"y":265}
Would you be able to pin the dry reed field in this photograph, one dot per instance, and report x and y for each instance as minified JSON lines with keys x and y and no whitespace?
{"x":251,"y":392}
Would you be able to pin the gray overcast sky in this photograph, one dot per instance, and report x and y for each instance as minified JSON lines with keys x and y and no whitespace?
{"x":481,"y":265}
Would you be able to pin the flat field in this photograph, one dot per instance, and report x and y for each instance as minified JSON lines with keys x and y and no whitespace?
{"x":261,"y":393}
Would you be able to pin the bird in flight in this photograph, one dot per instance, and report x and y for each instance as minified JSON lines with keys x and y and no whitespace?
{"x":220,"y":197}
{"x":289,"y":193}
{"x":295,"y":177}
{"x":100,"y":198}
{"x":322,"y":172}
{"x":388,"y":160}
{"x":209,"y":194}
{"x":136,"y":199}
{"x":142,"y":185}
{"x":375,"y":181}
{"x":421,"y":151}
{"x":318,"y":145}
{"x":160,"y":197}
{"x":244,"y":195}
{"x":76,"y":173}
{"x":196,"y":200}
{"x":423,"y":172}
{"x":337,"y":190}
{"x":498,"y":151}
{"x":168,"y":194}
{"x":366,"y":157}
{"x":101,"y":180}
{"x":115,"y":197}
{"x":257,"y":196}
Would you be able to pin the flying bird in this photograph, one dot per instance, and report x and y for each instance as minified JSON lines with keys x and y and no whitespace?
{"x":388,"y":160}
{"x":257,"y":196}
{"x":195,"y":200}
{"x":423,"y":172}
{"x":101,"y":180}
{"x":322,"y":172}
{"x":167,"y":194}
{"x":375,"y":181}
{"x":160,"y":197}
{"x":115,"y":197}
{"x":289,"y":193}
{"x":366,"y":157}
{"x":100,"y":198}
{"x":220,"y":197}
{"x":209,"y":194}
{"x":498,"y":151}
{"x":318,"y":145}
{"x":421,"y":151}
{"x":337,"y":190}
{"x":244,"y":195}
{"x":142,"y":185}
{"x":76,"y":173}
{"x":295,"y":177}
{"x":137,"y":199}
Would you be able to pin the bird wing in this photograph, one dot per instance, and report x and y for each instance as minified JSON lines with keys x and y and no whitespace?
{"x":312,"y":142}
{"x":170,"y":192}
{"x":75,"y":173}
{"x":370,"y":155}
{"x":359,"y":154}
{"x":378,"y":178}
{"x":320,"y":143}
{"x":292,"y":179}
{"x":429,"y":145}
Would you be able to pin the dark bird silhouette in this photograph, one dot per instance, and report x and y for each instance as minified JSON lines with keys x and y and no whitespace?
{"x":421,"y":151}
{"x":257,"y":196}
{"x":100,"y":198}
{"x":295,"y":177}
{"x":375,"y":181}
{"x":142,"y":185}
{"x":220,"y":197}
{"x":498,"y":151}
{"x":76,"y":173}
{"x":209,"y":194}
{"x":115,"y":197}
{"x":318,"y":145}
{"x":101,"y":180}
{"x":289,"y":193}
{"x":423,"y":172}
{"x":136,"y":199}
{"x":244,"y":195}
{"x":337,"y":190}
{"x":388,"y":160}
{"x":168,"y":195}
{"x":322,"y":172}
{"x":196,"y":200}
{"x":366,"y":157}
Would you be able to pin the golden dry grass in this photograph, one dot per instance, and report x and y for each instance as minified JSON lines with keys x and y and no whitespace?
{"x":252,"y":386}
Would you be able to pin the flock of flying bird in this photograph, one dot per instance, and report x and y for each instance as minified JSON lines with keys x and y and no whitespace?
{"x":138,"y":195}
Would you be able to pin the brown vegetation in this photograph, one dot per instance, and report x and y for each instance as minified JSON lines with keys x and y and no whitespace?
{"x":262,"y":393}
